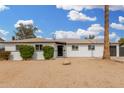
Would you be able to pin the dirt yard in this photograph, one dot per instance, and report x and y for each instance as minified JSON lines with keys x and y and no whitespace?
{"x":83,"y":72}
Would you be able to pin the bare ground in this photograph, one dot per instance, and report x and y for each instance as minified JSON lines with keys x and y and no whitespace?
{"x":83,"y":72}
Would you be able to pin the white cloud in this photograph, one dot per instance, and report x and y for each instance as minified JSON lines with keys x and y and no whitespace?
{"x":121,"y":19}
{"x":3,"y":33}
{"x":117,"y":26}
{"x":78,"y":7}
{"x":66,"y":34}
{"x":85,"y":33}
{"x":117,"y":39}
{"x":39,"y":36}
{"x":3,"y":8}
{"x":112,"y":36}
{"x":24,"y":22}
{"x":39,"y":31}
{"x":99,"y":37}
{"x":89,"y":7}
{"x":78,"y":16}
{"x":116,"y":7}
{"x":48,"y":38}
{"x":94,"y":29}
{"x":70,"y":7}
{"x":111,"y":7}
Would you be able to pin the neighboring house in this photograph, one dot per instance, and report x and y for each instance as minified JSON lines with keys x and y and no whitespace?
{"x":1,"y":46}
{"x":1,"y":40}
{"x":62,"y":48}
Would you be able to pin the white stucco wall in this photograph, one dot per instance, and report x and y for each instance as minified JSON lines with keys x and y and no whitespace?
{"x":2,"y":45}
{"x":10,"y":47}
{"x":38,"y":55}
{"x":15,"y":56}
{"x":84,"y":52}
{"x":98,"y":52}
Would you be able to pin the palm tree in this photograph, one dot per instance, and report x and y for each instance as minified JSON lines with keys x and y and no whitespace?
{"x":106,"y":54}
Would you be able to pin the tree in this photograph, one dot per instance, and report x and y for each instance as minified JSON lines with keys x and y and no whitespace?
{"x":121,"y":41}
{"x":106,"y":53}
{"x":25,"y":31}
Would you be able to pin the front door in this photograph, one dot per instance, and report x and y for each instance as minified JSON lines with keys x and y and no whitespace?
{"x":121,"y":51}
{"x":60,"y":50}
{"x":112,"y":50}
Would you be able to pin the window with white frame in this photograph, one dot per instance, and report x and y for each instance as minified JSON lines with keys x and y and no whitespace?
{"x":91,"y":47}
{"x":74,"y":47}
{"x":38,"y":47}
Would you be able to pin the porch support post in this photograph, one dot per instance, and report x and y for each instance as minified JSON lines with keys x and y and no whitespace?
{"x":117,"y":50}
{"x":66,"y":50}
{"x":55,"y":51}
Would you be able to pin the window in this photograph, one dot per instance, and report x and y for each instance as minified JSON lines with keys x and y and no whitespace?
{"x":38,"y":47}
{"x":2,"y":48}
{"x":74,"y":47}
{"x":91,"y":47}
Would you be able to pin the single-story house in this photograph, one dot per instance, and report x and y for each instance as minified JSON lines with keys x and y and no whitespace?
{"x":62,"y":47}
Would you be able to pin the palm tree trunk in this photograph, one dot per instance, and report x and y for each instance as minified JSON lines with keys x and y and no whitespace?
{"x":106,"y":54}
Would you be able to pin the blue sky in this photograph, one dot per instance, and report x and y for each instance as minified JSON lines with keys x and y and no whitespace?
{"x":63,"y":21}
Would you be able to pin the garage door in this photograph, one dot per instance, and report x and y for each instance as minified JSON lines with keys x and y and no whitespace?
{"x":121,"y":51}
{"x":112,"y":50}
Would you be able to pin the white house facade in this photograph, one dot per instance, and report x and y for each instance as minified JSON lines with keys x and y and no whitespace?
{"x":62,"y":48}
{"x":89,"y":48}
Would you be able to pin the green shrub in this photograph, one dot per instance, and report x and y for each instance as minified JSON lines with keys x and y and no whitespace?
{"x":26,"y":51}
{"x":4,"y":55}
{"x":48,"y":52}
{"x":121,"y":41}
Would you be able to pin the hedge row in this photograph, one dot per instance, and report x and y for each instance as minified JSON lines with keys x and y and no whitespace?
{"x":27,"y":51}
{"x":4,"y":55}
{"x":48,"y":52}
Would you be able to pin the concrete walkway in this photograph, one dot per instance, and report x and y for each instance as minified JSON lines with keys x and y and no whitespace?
{"x":118,"y":59}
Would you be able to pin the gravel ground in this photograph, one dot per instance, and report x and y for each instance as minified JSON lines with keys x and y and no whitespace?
{"x":83,"y":72}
